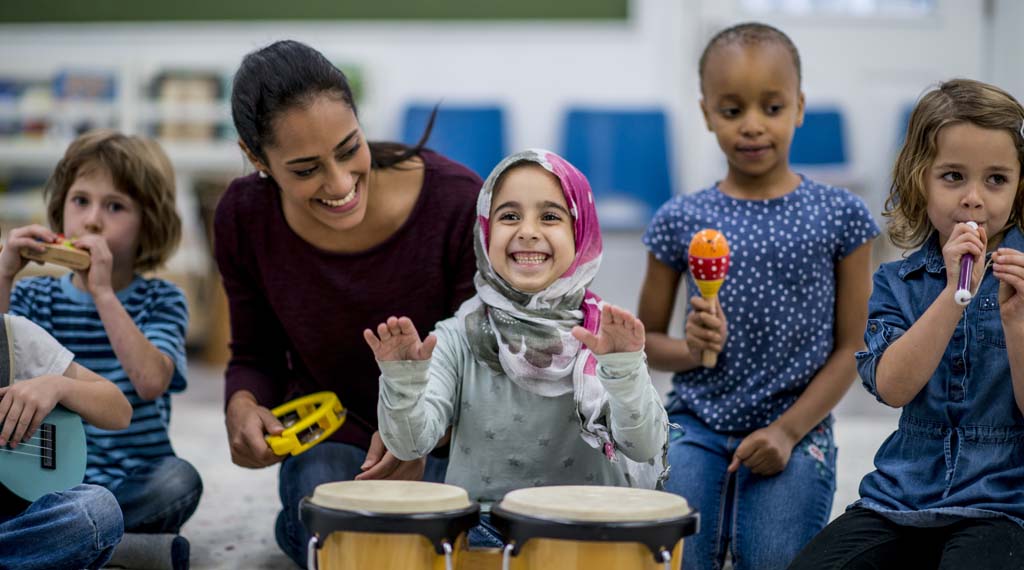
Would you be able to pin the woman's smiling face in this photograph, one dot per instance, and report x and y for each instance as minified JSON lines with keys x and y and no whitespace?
{"x":321,"y":161}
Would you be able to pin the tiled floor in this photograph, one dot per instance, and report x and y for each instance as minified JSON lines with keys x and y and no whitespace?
{"x":233,"y":527}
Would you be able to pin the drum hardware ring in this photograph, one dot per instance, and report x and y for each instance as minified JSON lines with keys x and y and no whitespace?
{"x":447,"y":554}
{"x":311,"y":553}
{"x":506,"y":555}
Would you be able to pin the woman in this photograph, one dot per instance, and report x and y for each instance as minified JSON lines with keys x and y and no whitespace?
{"x":331,"y":235}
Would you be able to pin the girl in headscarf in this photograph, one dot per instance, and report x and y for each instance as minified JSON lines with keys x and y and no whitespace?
{"x":541,"y":382}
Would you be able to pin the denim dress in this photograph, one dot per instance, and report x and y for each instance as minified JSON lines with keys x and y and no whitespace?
{"x":959,"y":449}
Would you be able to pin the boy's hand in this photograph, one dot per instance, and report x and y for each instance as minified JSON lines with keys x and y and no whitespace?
{"x":27,"y":237}
{"x":619,"y":331}
{"x":101,"y":263}
{"x":765,"y":451}
{"x":706,"y":327}
{"x":381,"y":464}
{"x":965,"y":240}
{"x":1008,"y":268}
{"x":398,"y":340}
{"x":248,"y":423}
{"x":23,"y":406}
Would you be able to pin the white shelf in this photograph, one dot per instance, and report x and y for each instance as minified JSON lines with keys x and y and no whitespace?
{"x":188,"y":158}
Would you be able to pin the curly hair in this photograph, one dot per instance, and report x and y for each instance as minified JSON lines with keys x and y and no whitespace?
{"x":140,"y":169}
{"x":952,"y":102}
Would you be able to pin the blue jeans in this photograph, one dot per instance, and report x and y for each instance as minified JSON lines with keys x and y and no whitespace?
{"x":160,"y":496}
{"x":299,"y":476}
{"x":765,"y":521}
{"x":484,"y":535}
{"x":77,"y":528}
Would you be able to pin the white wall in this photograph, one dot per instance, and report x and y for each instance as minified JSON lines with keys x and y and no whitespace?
{"x":535,"y":69}
{"x":1005,"y":64}
{"x":869,"y":67}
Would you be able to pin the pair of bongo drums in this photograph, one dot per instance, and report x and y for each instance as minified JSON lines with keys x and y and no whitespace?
{"x":385,"y":525}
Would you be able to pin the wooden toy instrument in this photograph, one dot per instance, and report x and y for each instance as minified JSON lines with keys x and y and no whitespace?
{"x":307,"y":421}
{"x":61,"y":253}
{"x":709,"y":262}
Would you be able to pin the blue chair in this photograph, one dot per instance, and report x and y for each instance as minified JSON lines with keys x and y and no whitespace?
{"x":472,"y":135}
{"x":821,"y":141}
{"x":905,"y":111}
{"x":625,"y":155}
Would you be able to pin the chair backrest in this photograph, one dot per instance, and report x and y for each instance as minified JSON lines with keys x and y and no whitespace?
{"x":472,"y":135}
{"x":905,"y":111}
{"x":821,"y":140}
{"x":625,"y":156}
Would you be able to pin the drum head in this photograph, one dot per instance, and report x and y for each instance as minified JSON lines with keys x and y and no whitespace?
{"x":595,"y":504}
{"x":406,"y":497}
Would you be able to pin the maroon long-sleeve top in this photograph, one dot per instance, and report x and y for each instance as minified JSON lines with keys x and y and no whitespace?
{"x":298,"y":312}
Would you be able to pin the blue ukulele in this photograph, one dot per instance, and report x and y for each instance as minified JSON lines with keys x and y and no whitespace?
{"x":54,"y":459}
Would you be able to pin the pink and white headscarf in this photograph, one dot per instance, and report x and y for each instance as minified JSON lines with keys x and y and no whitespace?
{"x":527,"y":336}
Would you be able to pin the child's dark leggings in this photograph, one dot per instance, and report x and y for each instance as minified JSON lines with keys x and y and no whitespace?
{"x":862,"y":539}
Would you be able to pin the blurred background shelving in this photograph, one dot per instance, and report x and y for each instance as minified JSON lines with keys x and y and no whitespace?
{"x":184,"y":108}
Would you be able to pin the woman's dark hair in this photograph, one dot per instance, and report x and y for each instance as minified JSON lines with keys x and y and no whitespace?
{"x":289,"y":74}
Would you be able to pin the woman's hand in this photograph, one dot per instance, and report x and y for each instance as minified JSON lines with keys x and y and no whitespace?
{"x":706,"y":327}
{"x":248,"y":424}
{"x":619,"y":331}
{"x":398,"y":340}
{"x":381,"y":464}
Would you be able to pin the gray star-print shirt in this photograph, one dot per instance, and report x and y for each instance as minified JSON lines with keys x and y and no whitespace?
{"x":504,"y":437}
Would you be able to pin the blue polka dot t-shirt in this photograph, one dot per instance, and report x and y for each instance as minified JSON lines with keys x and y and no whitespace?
{"x":779,"y":294}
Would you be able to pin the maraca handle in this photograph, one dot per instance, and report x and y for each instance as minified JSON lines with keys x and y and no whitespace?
{"x":709,"y":358}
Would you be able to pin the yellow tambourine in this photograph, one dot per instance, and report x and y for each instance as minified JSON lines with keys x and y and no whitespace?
{"x":307,"y":421}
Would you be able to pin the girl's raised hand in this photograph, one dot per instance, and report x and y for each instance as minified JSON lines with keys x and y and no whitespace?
{"x":965,"y":240}
{"x":1008,"y":268}
{"x":619,"y":331}
{"x":397,"y":339}
{"x":26,"y":237}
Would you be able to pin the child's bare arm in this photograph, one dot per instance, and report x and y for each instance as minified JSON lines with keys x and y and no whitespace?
{"x":24,"y":405}
{"x":766,"y":451}
{"x":98,"y":400}
{"x":829,"y":385}
{"x":908,"y":364}
{"x":1008,"y":268}
{"x":657,"y":301}
{"x":149,"y":370}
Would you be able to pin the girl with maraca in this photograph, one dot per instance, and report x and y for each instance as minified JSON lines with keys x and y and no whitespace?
{"x":754,"y":451}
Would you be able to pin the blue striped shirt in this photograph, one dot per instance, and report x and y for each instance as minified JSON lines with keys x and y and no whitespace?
{"x":158,"y":308}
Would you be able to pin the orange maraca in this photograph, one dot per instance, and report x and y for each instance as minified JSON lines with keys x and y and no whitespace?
{"x":709,"y":262}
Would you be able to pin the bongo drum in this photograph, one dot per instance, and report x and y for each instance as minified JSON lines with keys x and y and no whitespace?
{"x":593,"y":528}
{"x":384,"y":525}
